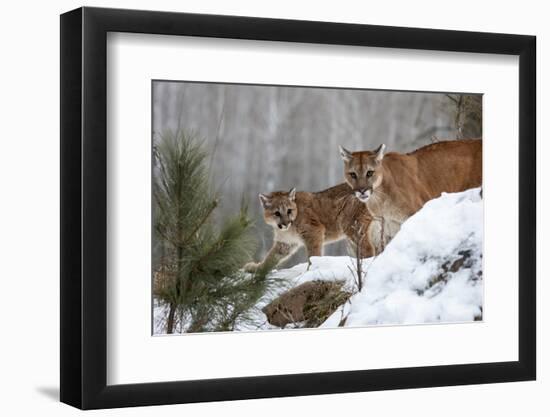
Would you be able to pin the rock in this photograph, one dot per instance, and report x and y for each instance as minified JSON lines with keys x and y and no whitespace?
{"x":307,"y":305}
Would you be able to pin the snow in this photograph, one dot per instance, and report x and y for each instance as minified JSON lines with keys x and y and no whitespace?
{"x":430,"y":272}
{"x":326,"y":268}
{"x":410,"y":282}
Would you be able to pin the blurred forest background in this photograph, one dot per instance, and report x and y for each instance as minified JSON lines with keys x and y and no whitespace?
{"x":266,"y":138}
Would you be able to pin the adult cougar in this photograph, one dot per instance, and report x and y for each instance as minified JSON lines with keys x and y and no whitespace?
{"x":394,"y":186}
{"x":312,"y":219}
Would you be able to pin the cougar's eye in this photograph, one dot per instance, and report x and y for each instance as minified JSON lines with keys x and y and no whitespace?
{"x":278,"y":214}
{"x":353,"y":175}
{"x":370,"y":173}
{"x":289,"y":211}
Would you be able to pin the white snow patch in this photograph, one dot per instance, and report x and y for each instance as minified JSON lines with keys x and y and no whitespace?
{"x":410,"y":282}
{"x":326,"y":268}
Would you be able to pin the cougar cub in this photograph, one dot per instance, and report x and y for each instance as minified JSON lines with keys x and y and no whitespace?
{"x":313,"y":219}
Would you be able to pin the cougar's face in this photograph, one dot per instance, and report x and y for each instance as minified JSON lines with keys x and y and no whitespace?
{"x":363,"y":171}
{"x":280,"y":208}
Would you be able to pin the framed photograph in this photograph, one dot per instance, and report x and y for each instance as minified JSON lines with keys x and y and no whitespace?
{"x":259,"y":208}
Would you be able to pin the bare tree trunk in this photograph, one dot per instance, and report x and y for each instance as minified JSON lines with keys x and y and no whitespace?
{"x":170,"y":321}
{"x":173,"y":305}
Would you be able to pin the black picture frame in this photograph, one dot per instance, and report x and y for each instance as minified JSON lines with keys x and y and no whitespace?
{"x":84,"y":207}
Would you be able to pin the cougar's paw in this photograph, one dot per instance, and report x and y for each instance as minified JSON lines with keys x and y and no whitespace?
{"x":251,"y":267}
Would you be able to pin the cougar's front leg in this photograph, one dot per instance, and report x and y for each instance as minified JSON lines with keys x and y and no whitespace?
{"x":366,"y":248}
{"x":314,"y":241}
{"x":279,"y":252}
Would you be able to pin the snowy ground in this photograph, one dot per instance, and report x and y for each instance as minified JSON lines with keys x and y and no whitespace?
{"x":430,"y":272}
{"x":326,"y":268}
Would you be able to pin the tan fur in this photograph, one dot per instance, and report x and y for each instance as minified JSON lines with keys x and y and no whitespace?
{"x":314,"y":220}
{"x":394,"y":186}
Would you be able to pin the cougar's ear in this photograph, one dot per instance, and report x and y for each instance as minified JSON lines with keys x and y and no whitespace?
{"x":345,"y":154}
{"x":380,"y":152}
{"x":265,"y":200}
{"x":292,"y":194}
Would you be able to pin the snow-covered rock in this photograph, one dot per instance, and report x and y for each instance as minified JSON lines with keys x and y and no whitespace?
{"x":430,"y":272}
